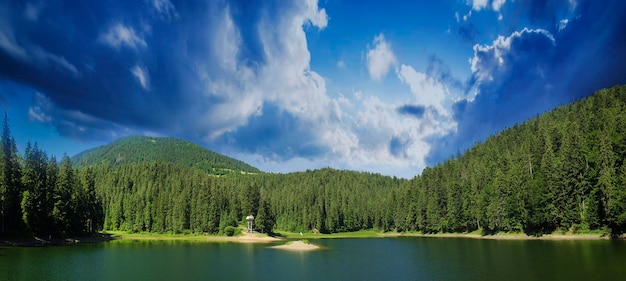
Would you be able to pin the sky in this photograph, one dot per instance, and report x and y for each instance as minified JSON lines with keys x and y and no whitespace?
{"x":388,"y":87}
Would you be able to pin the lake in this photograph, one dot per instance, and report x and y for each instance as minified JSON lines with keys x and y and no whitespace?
{"x":404,"y":258}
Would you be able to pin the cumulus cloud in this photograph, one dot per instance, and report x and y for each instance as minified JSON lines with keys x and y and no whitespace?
{"x":396,"y":135}
{"x":491,"y":59}
{"x":478,"y":5}
{"x":280,"y":87}
{"x":119,"y":35}
{"x":497,"y":4}
{"x":380,"y":58}
{"x":427,"y":91}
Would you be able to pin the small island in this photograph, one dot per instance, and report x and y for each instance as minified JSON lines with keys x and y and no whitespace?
{"x":300,"y":245}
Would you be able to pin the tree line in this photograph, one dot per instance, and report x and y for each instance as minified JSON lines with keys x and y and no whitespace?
{"x":160,"y":197}
{"x":41,"y":197}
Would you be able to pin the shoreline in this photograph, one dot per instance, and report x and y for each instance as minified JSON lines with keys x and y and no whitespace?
{"x":508,"y":236}
{"x":472,"y":235}
{"x":119,"y":235}
{"x":38,"y":242}
{"x":242,"y":238}
{"x":264,"y":238}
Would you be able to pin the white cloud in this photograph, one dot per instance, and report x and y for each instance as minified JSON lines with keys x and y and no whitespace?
{"x":37,"y":111}
{"x":142,"y":75}
{"x":119,"y":35}
{"x":43,"y":57}
{"x":488,"y":59}
{"x":358,"y":95}
{"x":285,"y":79}
{"x":478,"y":5}
{"x":378,"y":123}
{"x":427,"y":91}
{"x":164,"y":9}
{"x":497,"y":4}
{"x":314,"y":15}
{"x":8,"y":42}
{"x":380,"y":58}
{"x":360,"y":140}
{"x":467,"y":16}
{"x":33,"y":54}
{"x":563,"y":24}
{"x":223,"y":76}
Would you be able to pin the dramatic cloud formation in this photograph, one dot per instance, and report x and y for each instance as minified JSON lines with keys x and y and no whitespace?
{"x":529,"y":71}
{"x":291,"y":85}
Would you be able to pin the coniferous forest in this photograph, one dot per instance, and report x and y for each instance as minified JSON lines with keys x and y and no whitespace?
{"x":41,"y":197}
{"x":562,"y":170}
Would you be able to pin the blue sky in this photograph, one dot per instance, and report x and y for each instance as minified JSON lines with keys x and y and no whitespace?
{"x":382,"y":86}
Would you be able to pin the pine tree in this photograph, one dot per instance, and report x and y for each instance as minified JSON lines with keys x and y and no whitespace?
{"x":265,"y":219}
{"x":35,"y":201}
{"x":63,"y":212}
{"x":10,"y":182}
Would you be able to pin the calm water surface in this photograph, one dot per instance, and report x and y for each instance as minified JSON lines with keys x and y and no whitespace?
{"x":341,"y":259}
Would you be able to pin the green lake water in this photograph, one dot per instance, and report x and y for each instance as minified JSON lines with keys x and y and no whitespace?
{"x":340,"y":259}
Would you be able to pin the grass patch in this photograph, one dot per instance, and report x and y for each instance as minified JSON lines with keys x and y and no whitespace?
{"x":311,"y":235}
{"x":157,"y":236}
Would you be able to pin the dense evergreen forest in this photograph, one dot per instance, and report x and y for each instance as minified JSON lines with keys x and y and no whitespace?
{"x":563,"y":170}
{"x":167,"y":198}
{"x":137,"y":149}
{"x":42,"y":198}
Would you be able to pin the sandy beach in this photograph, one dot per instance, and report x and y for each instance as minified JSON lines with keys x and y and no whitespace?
{"x":253,"y":238}
{"x":297,"y":246}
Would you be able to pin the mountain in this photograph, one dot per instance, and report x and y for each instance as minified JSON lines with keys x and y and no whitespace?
{"x":138,"y":149}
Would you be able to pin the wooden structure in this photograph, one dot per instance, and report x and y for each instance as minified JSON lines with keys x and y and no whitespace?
{"x":250,"y":219}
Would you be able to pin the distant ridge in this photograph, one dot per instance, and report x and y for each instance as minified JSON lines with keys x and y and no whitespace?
{"x":139,"y":149}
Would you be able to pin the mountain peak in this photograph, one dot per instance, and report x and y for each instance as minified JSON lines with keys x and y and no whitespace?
{"x":139,"y":149}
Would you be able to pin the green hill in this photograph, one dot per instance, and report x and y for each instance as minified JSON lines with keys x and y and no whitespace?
{"x":139,"y":149}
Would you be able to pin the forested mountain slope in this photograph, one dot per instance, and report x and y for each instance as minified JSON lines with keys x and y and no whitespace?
{"x":166,"y":198}
{"x":139,"y":149}
{"x":565,"y":170}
